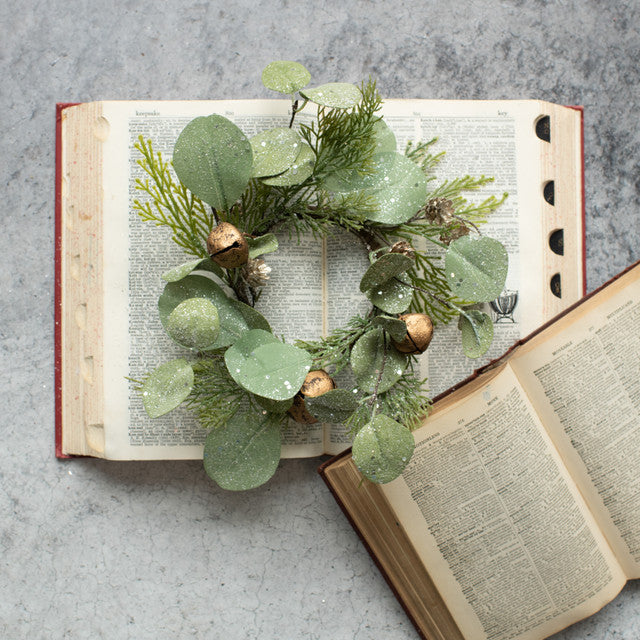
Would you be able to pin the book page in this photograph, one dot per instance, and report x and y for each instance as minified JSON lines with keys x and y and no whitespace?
{"x":583,"y":375}
{"x":497,"y":139}
{"x":497,"y":520}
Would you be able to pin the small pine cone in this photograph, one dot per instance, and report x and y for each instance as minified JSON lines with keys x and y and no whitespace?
{"x":402,"y":246}
{"x":453,"y":234}
{"x":439,"y":211}
{"x":256,"y":273}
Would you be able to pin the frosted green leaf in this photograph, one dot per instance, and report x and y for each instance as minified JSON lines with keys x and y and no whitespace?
{"x":267,"y":243}
{"x":253,"y":318}
{"x":384,"y":269}
{"x":391,"y":297}
{"x":233,"y":318}
{"x":194,"y":323}
{"x":476,"y":268}
{"x":372,"y":354}
{"x":263,"y":365}
{"x":333,"y":406}
{"x":213,"y":159}
{"x":400,"y":191}
{"x":336,"y":95}
{"x":394,"y":327}
{"x":166,"y":387}
{"x":179,"y":272}
{"x":244,"y":453}
{"x":382,"y":449}
{"x":274,"y":406}
{"x":274,"y":151}
{"x":298,"y":172}
{"x":384,"y":137}
{"x":285,"y":77}
{"x":477,"y":332}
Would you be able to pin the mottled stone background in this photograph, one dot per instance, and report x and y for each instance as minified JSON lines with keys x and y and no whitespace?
{"x":93,"y":549}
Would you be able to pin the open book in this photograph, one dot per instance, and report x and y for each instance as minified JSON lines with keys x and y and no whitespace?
{"x":109,"y":262}
{"x":519,"y":512}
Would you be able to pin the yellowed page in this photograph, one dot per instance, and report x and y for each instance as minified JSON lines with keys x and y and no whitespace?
{"x":583,"y":374}
{"x":497,"y":520}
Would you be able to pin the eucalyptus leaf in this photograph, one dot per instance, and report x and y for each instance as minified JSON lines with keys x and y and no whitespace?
{"x":274,"y":151}
{"x":261,"y":245}
{"x":244,"y":453}
{"x":382,"y":449}
{"x":397,"y":329}
{"x":393,"y":296}
{"x":333,"y":406}
{"x":253,"y":318}
{"x":274,"y":406}
{"x":476,"y":332}
{"x":263,"y":365}
{"x":476,"y":268}
{"x":182,"y":270}
{"x":179,"y":272}
{"x":166,"y":387}
{"x":336,"y":95}
{"x":401,"y":189}
{"x":285,"y":77}
{"x":384,"y":269}
{"x":376,"y":363}
{"x":384,"y":137}
{"x":213,"y":159}
{"x":298,"y":172}
{"x":233,"y":322}
{"x":194,"y":323}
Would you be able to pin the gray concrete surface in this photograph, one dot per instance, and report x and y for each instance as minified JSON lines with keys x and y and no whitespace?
{"x":93,"y":549}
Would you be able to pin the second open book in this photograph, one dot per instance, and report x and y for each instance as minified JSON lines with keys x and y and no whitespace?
{"x":519,"y":512}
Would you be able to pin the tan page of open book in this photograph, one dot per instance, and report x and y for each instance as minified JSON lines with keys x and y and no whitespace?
{"x":113,"y":293}
{"x":583,"y":376}
{"x":497,"y":520}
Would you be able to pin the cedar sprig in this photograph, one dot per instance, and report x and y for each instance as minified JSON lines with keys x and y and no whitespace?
{"x":334,"y":350}
{"x":172,"y":204}
{"x":406,"y":402}
{"x":215,"y":397}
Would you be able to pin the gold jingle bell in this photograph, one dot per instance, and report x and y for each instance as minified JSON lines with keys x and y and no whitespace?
{"x":419,"y":333}
{"x":227,"y":246}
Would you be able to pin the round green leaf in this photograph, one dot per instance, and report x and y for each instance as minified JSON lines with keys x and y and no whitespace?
{"x":233,"y":322}
{"x":213,"y":159}
{"x":166,"y":387}
{"x":285,"y":77}
{"x":298,"y":172}
{"x":333,"y":406}
{"x":388,"y":266}
{"x":194,"y":323}
{"x":253,"y":318}
{"x":182,"y":270}
{"x":384,"y":137}
{"x":336,"y":95}
{"x":382,"y":449}
{"x":274,"y":406}
{"x":476,"y":268}
{"x":401,"y":189}
{"x":244,"y":453}
{"x":477,"y":332}
{"x":372,"y":354}
{"x":262,"y":244}
{"x":391,"y":297}
{"x":394,"y":327}
{"x":274,"y":151}
{"x":263,"y":365}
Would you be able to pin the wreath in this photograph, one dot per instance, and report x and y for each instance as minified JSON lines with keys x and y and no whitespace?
{"x":223,"y":197}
